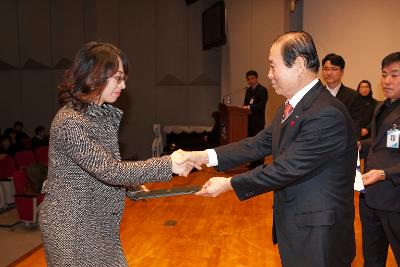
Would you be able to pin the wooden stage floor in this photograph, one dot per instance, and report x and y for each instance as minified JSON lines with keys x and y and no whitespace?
{"x":194,"y":231}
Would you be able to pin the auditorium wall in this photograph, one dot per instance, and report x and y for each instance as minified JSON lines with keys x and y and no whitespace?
{"x":172,"y":80}
{"x":362,"y":31}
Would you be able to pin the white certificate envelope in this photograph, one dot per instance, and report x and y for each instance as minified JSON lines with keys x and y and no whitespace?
{"x":358,"y":182}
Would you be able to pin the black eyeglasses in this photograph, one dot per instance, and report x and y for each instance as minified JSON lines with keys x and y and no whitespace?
{"x":120,"y":78}
{"x":326,"y":69}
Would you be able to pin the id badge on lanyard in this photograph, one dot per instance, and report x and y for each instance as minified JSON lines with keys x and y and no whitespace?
{"x":393,"y":137}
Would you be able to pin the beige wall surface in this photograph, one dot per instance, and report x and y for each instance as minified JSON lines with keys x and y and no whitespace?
{"x":362,"y":31}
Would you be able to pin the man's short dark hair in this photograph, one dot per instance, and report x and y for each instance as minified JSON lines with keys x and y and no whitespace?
{"x":390,"y":59}
{"x":18,"y":123}
{"x":252,"y":73}
{"x":298,"y":44}
{"x":38,"y":129}
{"x":335,"y":60}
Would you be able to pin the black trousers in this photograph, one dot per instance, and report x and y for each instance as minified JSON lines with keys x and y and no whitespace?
{"x":379,"y":229}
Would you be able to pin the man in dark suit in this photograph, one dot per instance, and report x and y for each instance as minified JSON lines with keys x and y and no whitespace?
{"x":314,"y":151}
{"x":332,"y":71}
{"x":255,"y":100}
{"x":380,"y":204}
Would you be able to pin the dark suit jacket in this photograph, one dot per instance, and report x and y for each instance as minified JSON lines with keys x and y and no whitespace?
{"x":312,"y":176}
{"x":368,"y":105}
{"x":352,"y":100}
{"x":256,"y":120}
{"x":383,"y":195}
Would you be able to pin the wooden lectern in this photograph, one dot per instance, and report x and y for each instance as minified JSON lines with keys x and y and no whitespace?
{"x":233,"y":123}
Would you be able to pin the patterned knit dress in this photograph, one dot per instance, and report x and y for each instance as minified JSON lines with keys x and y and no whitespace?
{"x":85,"y":190}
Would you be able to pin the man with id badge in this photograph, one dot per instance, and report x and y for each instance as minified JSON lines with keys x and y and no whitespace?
{"x":380,"y":201}
{"x":255,"y":100}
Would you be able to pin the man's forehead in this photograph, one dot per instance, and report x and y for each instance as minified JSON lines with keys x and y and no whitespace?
{"x":394,"y":67}
{"x":328,"y":62}
{"x":274,"y":51}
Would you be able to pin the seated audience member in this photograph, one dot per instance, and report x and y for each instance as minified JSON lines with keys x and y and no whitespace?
{"x":332,"y":71}
{"x":19,"y":130}
{"x":3,"y":154}
{"x":40,"y":138}
{"x":368,"y":104}
{"x":15,"y":143}
{"x":7,"y":147}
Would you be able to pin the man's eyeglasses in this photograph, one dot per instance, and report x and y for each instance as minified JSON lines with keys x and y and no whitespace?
{"x":330,"y":69}
{"x":121,"y":78}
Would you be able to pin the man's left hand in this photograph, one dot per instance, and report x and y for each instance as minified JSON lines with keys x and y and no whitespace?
{"x":373,"y":176}
{"x":215,"y":186}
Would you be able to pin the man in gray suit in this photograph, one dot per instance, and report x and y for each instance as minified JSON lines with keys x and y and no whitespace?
{"x":314,"y":149}
{"x":380,"y":204}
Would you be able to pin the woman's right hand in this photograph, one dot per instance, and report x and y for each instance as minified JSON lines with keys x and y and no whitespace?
{"x":182,"y":162}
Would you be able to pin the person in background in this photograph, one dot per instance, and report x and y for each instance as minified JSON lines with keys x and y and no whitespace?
{"x":368,"y":104}
{"x":15,"y":144}
{"x":332,"y":71}
{"x":40,"y":138}
{"x":19,"y":130}
{"x":6,"y":147}
{"x":214,"y":136}
{"x":255,"y":100}
{"x":85,"y":190}
{"x":380,"y":204}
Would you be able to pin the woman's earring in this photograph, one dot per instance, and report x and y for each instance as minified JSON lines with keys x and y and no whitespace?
{"x":97,"y":99}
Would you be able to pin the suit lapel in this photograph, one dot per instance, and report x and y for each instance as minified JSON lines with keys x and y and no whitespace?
{"x":340,"y":93}
{"x":388,"y":122}
{"x":377,"y":111}
{"x":276,"y":131}
{"x":291,"y":126}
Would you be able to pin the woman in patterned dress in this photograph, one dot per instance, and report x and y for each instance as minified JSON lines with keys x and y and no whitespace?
{"x":85,"y":190}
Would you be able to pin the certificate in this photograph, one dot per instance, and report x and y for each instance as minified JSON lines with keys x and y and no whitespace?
{"x":168,"y":192}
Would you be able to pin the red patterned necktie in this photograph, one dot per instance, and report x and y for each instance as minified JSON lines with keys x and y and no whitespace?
{"x":287,"y":110}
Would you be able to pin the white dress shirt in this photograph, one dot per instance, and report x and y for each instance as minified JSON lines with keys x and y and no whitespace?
{"x":294,"y":100}
{"x":335,"y":90}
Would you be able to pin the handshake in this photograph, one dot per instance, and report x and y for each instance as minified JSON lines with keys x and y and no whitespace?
{"x":184,"y":161}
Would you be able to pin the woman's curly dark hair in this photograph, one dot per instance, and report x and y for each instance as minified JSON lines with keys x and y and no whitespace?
{"x":85,"y":80}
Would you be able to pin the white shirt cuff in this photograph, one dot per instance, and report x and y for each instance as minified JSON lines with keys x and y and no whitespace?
{"x":212,"y":158}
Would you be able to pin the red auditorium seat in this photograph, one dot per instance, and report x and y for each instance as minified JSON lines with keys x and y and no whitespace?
{"x":24,"y":158}
{"x":27,"y":204}
{"x":27,"y":142}
{"x":7,"y":168}
{"x":42,"y":155}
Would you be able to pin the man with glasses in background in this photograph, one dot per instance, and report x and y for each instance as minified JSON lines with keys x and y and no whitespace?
{"x":332,"y":71}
